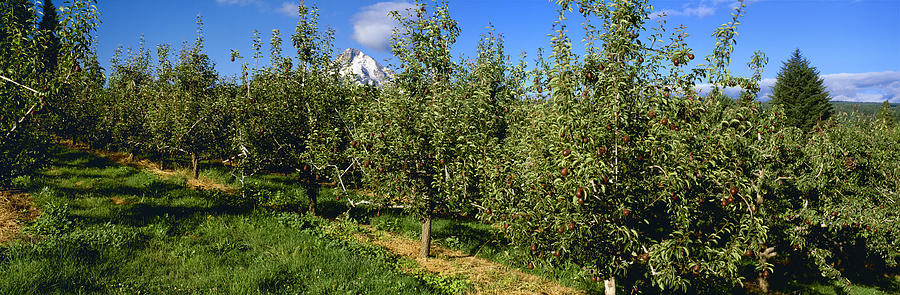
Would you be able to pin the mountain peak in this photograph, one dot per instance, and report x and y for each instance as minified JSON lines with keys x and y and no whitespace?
{"x":366,"y":69}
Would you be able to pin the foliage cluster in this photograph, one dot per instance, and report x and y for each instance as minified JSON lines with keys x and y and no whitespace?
{"x":40,"y":68}
{"x":610,"y":160}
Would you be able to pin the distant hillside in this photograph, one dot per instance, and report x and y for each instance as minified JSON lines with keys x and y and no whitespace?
{"x":865,"y":108}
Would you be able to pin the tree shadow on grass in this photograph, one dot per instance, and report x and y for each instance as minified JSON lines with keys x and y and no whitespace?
{"x":74,"y":158}
{"x":468,"y":238}
{"x":135,"y":198}
{"x":797,"y":276}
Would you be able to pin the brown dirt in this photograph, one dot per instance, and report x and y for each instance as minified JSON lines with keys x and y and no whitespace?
{"x":16,"y":209}
{"x":120,"y":201}
{"x":488,"y":277}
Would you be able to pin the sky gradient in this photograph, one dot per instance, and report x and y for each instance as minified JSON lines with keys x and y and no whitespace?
{"x":855,"y":44}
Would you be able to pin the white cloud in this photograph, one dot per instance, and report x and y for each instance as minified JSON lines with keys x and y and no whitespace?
{"x":856,"y":87}
{"x":699,"y":8}
{"x":288,"y":9}
{"x":864,"y":87}
{"x":285,"y":8}
{"x":698,"y":11}
{"x":239,"y":2}
{"x":372,"y":26}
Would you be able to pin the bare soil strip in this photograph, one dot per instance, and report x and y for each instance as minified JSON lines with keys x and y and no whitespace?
{"x":16,"y":209}
{"x":488,"y":277}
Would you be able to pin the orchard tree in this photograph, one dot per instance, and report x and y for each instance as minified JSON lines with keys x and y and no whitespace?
{"x":801,"y":92}
{"x":85,"y":105}
{"x":426,"y":140}
{"x":839,"y":210}
{"x":625,"y":168}
{"x":290,"y":117}
{"x":186,"y":114}
{"x":495,"y":88}
{"x":404,"y":158}
{"x":885,"y":116}
{"x":20,"y":145}
{"x":126,"y":102}
{"x":27,"y":93}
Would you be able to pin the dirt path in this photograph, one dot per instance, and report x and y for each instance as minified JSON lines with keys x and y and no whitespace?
{"x":488,"y":277}
{"x":16,"y":209}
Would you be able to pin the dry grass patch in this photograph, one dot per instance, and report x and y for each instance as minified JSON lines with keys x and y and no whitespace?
{"x":488,"y":277}
{"x":16,"y":209}
{"x":120,"y":201}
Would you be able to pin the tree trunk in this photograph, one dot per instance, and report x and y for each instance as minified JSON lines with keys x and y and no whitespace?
{"x":426,"y":235}
{"x":195,"y":166}
{"x":312,"y":192}
{"x":763,"y":279}
{"x":763,"y":284}
{"x":609,"y":286}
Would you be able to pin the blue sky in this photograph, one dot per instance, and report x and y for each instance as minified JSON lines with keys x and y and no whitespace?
{"x":855,"y":44}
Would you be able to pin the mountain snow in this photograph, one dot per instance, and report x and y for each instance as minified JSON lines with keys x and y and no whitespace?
{"x":365,"y":68}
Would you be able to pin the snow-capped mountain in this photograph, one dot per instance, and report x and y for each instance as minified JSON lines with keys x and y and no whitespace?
{"x":365,"y":68}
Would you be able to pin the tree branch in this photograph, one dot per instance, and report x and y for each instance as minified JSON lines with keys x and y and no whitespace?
{"x":30,"y":110}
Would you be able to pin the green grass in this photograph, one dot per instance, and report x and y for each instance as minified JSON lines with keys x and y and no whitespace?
{"x":168,"y":239}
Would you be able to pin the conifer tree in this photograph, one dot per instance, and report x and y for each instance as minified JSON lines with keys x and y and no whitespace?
{"x":897,"y":114}
{"x":47,"y":29}
{"x":885,"y":115}
{"x":801,"y":92}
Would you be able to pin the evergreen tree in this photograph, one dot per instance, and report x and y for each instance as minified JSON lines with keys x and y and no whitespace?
{"x":897,"y":114}
{"x":800,"y":91}
{"x":885,"y":115}
{"x":47,"y":30}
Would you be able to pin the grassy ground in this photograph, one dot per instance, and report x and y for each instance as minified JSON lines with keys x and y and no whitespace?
{"x":114,"y":229}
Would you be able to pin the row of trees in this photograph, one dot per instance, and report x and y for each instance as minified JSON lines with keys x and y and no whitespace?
{"x":613,"y":161}
{"x":40,"y":68}
{"x":610,"y":160}
{"x":288,"y":115}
